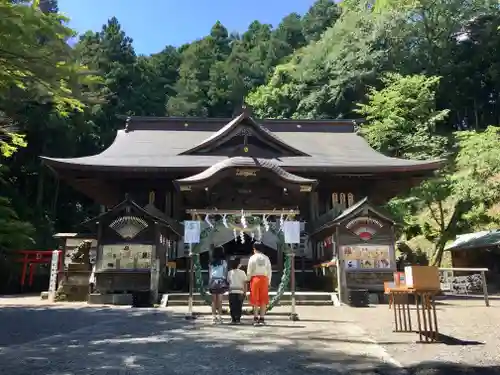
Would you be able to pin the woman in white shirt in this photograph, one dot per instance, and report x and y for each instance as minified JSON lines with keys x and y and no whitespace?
{"x":237,"y":279}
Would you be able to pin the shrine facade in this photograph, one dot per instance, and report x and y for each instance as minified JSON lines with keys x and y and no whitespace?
{"x":179,"y":169}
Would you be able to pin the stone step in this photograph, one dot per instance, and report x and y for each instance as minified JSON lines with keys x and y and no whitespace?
{"x":287,"y":296}
{"x":181,"y":299}
{"x":301,"y":298}
{"x":246,"y":304}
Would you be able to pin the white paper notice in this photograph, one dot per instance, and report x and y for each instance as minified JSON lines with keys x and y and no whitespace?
{"x":192,"y":230}
{"x":291,"y":230}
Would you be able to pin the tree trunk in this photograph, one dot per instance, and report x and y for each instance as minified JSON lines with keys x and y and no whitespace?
{"x":450,"y":232}
{"x":476,"y":115}
{"x":40,"y":188}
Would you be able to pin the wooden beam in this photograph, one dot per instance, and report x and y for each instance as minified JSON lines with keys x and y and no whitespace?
{"x":238,"y":212}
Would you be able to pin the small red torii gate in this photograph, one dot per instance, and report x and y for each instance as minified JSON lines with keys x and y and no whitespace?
{"x":33,"y":257}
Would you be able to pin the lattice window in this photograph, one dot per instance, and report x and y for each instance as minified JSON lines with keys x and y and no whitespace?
{"x":128,"y":227}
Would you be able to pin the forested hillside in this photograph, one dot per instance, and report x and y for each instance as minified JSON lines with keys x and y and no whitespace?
{"x":425,"y":74}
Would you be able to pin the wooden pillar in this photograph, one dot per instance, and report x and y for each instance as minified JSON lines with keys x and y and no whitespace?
{"x":176,"y":199}
{"x":341,"y":276}
{"x":23,"y":273}
{"x":155,"y":264}
{"x":280,"y":256}
{"x":314,"y":205}
{"x":98,"y":255}
{"x":168,"y":204}
{"x":190,"y":263}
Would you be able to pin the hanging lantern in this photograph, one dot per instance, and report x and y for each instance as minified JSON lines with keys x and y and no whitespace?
{"x":235,"y":234}
{"x":242,"y":237}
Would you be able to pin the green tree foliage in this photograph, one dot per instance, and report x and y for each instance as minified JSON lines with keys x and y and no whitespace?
{"x":402,"y":117}
{"x":14,"y":233}
{"x":36,"y":65}
{"x":478,"y":164}
{"x":326,"y":78}
{"x":402,"y":121}
{"x":322,"y":15}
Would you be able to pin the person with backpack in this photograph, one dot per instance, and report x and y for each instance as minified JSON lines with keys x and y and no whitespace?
{"x":217,"y":283}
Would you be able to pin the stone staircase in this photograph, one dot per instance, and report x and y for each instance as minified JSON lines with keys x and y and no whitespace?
{"x":301,"y":298}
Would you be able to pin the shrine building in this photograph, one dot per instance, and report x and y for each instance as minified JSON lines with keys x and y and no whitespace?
{"x":320,"y":172}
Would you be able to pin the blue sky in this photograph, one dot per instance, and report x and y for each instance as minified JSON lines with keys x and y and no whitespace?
{"x":156,"y":23}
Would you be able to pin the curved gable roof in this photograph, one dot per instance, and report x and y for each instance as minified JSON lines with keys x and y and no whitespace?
{"x":231,"y":129}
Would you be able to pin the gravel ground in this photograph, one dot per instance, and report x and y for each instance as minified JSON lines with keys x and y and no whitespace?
{"x":70,"y":339}
{"x":154,"y":341}
{"x":473,"y":331}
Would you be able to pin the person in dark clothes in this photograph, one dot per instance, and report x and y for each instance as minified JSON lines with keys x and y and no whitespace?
{"x":237,"y":280}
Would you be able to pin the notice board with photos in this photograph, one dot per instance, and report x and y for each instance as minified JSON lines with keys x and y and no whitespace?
{"x":366,"y":257}
{"x":126,"y":257}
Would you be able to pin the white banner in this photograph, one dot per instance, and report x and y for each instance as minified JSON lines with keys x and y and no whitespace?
{"x":291,"y":230}
{"x":192,"y":231}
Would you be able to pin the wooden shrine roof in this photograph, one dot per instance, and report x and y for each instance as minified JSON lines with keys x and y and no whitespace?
{"x":159,"y":144}
{"x":361,"y":207}
{"x":148,"y":211}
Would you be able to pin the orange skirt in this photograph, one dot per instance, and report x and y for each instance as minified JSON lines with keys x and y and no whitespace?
{"x":259,"y":290}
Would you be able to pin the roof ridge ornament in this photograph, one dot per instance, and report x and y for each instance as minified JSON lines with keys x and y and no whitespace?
{"x":246,"y":110}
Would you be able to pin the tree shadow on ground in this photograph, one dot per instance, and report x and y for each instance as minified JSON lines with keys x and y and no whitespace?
{"x":128,"y":341}
{"x":20,"y":324}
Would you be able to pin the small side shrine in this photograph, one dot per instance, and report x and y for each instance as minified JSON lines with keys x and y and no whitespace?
{"x":133,"y":244}
{"x":362,"y":239}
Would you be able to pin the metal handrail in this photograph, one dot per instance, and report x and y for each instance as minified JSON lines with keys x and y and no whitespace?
{"x":465,"y":269}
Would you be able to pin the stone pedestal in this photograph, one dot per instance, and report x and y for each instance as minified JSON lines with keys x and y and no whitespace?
{"x":74,"y":283}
